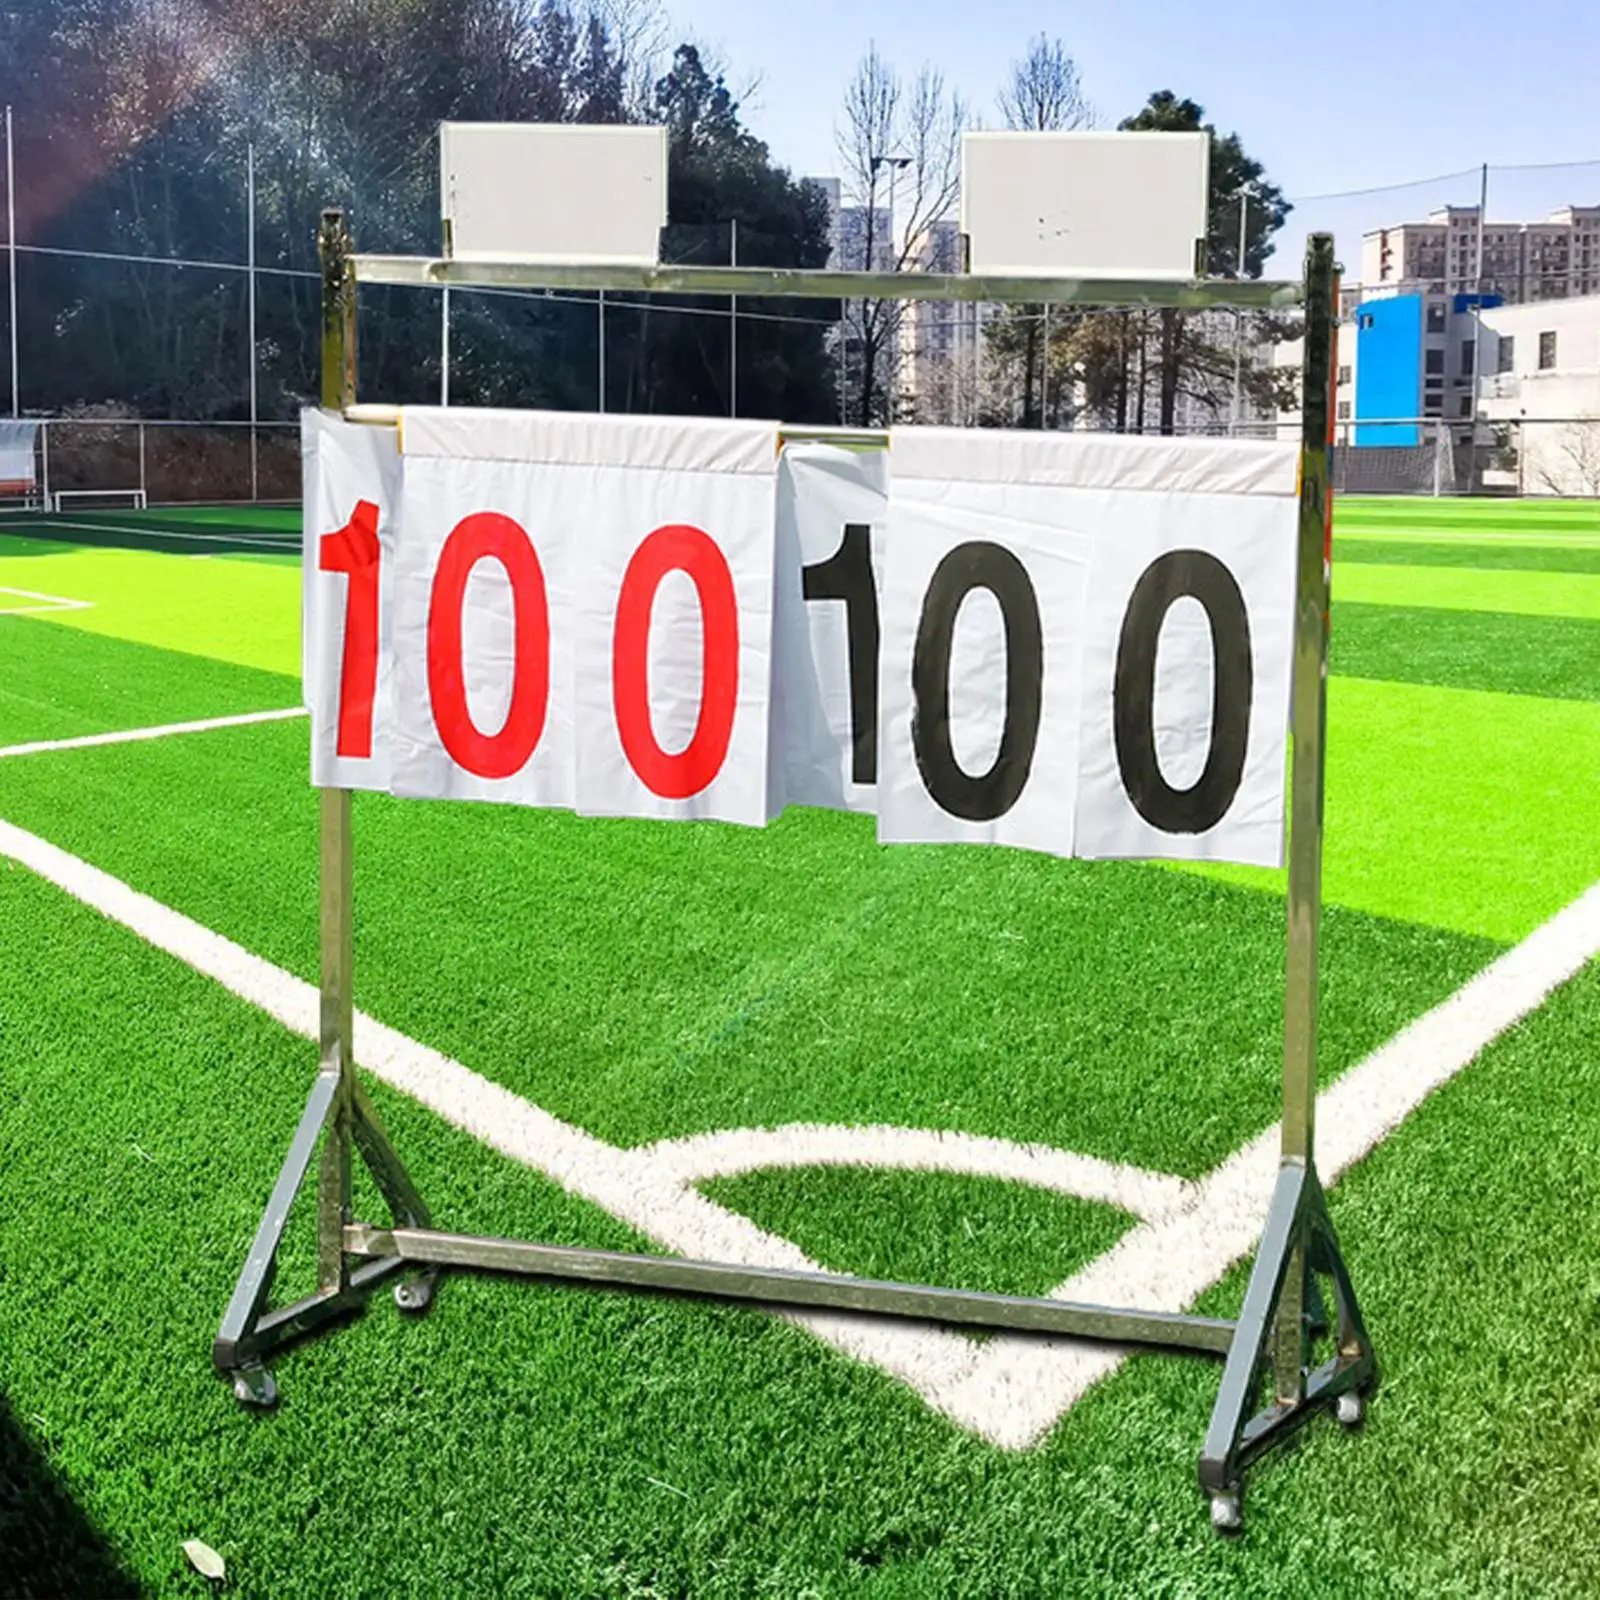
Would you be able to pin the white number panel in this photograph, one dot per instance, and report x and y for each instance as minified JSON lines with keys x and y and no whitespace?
{"x":1072,"y":643}
{"x":483,"y":635}
{"x":1186,"y":682}
{"x":979,"y":680}
{"x":832,"y":505}
{"x":1184,"y":666}
{"x":352,"y":493}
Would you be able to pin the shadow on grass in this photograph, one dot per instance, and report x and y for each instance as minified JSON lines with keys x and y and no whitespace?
{"x":49,"y":1550}
{"x":44,"y":538}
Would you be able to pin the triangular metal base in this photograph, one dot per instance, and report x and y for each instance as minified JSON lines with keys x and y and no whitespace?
{"x":250,"y":1332}
{"x":1282,"y":1321}
{"x":1298,"y":1278}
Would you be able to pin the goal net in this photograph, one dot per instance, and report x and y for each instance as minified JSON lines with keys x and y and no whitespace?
{"x":1426,"y":467}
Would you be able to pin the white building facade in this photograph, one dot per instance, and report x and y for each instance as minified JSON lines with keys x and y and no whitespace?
{"x":1541,"y":395}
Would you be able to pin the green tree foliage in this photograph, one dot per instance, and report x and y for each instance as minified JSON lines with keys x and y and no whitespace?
{"x":1129,"y":370}
{"x":728,"y":201}
{"x":1191,"y":357}
{"x":133,"y":121}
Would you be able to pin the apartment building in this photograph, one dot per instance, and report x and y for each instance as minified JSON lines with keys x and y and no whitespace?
{"x":1556,"y":259}
{"x":941,"y":341}
{"x":859,"y":240}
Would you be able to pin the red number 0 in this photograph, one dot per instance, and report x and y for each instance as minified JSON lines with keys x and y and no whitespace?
{"x":485,"y":535}
{"x":353,"y":550}
{"x":676,"y":548}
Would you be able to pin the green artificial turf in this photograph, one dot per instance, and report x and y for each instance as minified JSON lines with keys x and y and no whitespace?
{"x":531,"y":1441}
{"x":244,"y":612}
{"x":1557,"y":658}
{"x":648,"y":980}
{"x":241,"y":517}
{"x":1547,"y":520}
{"x":211,"y":531}
{"x":1533,"y":594}
{"x":60,"y":683}
{"x":1454,"y":807}
{"x":1359,"y":550}
{"x":927,"y":1227}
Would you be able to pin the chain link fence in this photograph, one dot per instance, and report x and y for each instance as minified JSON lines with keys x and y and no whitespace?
{"x":165,"y":462}
{"x":178,"y":463}
{"x":1556,"y":457}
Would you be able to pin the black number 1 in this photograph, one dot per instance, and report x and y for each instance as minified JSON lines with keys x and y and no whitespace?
{"x":847,"y":575}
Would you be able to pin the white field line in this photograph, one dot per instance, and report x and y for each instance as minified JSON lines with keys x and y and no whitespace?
{"x":134,"y":735}
{"x":47,"y":602}
{"x":289,"y":544}
{"x":1167,"y":1263}
{"x":804,"y":1144}
{"x":1011,"y":1390}
{"x":617,"y":1180}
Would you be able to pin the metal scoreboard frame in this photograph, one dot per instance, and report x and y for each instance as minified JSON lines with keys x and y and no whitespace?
{"x":1299,"y":1291}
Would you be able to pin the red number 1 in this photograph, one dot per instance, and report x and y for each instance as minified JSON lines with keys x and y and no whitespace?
{"x":353,"y":550}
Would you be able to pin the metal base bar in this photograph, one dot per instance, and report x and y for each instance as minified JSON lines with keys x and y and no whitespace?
{"x":778,"y":1287}
{"x":1299,"y":1254}
{"x":1297,"y":1246}
{"x":250,"y":1332}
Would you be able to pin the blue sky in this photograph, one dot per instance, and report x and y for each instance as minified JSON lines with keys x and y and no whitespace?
{"x":1406,"y":89}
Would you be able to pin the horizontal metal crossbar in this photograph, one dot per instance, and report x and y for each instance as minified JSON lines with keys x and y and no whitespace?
{"x":781,"y":283}
{"x":388,"y":416}
{"x":776,"y":1286}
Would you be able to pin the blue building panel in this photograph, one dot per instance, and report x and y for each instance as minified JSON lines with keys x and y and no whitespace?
{"x":1388,"y":369}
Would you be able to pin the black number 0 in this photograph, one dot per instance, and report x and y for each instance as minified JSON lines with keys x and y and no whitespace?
{"x":1168,"y":579}
{"x":847,"y":575}
{"x":977,"y":565}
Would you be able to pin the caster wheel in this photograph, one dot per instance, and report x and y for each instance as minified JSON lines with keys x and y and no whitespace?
{"x":414,"y":1297}
{"x":1351,"y":1409}
{"x":255,"y":1387}
{"x":1227,"y":1513}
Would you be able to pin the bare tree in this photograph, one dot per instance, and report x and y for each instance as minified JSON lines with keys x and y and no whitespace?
{"x":643,"y":40}
{"x":1044,"y":94}
{"x":1572,"y":465}
{"x":900,"y":150}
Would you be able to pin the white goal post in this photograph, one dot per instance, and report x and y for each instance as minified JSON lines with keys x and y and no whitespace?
{"x":135,"y":498}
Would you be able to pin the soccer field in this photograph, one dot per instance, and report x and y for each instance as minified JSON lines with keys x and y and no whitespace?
{"x":981,"y":1068}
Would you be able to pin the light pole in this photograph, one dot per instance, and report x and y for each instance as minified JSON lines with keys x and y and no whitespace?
{"x":250,"y":256}
{"x":11,"y":252}
{"x":1238,"y":316}
{"x":1477,"y":326}
{"x":895,"y":164}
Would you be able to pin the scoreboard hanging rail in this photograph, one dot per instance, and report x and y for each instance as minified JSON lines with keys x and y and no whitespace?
{"x":778,"y":283}
{"x":754,"y":617}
